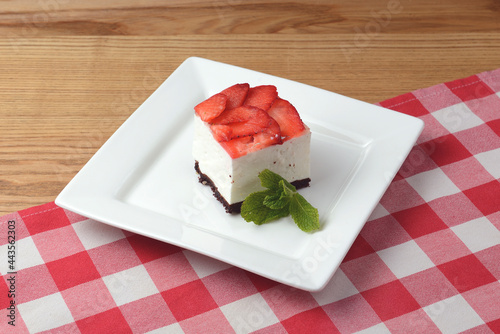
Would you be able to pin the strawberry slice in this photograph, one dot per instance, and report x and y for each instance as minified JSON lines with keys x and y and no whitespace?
{"x":243,"y":121}
{"x":211,"y":107}
{"x":240,"y":146}
{"x":239,"y":114}
{"x":237,"y":147}
{"x":288,"y":118}
{"x":236,"y":95}
{"x":261,"y":96}
{"x":221,"y":132}
{"x":245,"y":129}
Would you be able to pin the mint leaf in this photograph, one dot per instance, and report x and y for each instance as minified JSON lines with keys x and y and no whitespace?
{"x":276,"y":201}
{"x":254,"y":209}
{"x":304,"y":214}
{"x":271,"y":180}
{"x":280,"y":199}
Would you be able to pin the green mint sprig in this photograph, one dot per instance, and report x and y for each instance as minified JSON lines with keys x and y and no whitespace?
{"x":280,"y":199}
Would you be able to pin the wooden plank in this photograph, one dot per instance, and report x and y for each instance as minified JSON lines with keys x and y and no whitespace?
{"x":62,"y":97}
{"x":28,"y":19}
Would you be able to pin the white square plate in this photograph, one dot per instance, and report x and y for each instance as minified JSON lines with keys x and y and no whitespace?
{"x":143,"y":180}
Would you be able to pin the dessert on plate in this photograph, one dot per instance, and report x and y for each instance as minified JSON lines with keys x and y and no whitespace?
{"x":243,"y":130}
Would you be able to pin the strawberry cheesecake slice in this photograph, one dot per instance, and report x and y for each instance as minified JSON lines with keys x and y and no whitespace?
{"x":243,"y":130}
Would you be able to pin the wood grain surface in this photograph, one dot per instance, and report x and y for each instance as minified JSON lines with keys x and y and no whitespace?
{"x":72,"y":72}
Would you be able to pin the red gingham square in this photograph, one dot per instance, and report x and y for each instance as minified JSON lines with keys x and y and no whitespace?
{"x":494,"y":326}
{"x":495,"y":126}
{"x":114,"y":257}
{"x":436,"y":97}
{"x":399,"y":196}
{"x":467,"y":173}
{"x":111,"y":321}
{"x":212,"y":321}
{"x":261,"y":283}
{"x":482,"y":299}
{"x":489,"y":258}
{"x":88,"y":299}
{"x":384,"y":232}
{"x":367,"y":272}
{"x":414,"y":322}
{"x":469,"y":88}
{"x":442,"y":246}
{"x":34,"y":282}
{"x":189,"y":300}
{"x":176,"y":267}
{"x":429,"y":286}
{"x":148,"y":249}
{"x":419,"y":220}
{"x":466,"y":273}
{"x":445,"y":150}
{"x":407,"y":104}
{"x":469,"y":138}
{"x":43,"y":218}
{"x":4,"y":292}
{"x":487,"y":108}
{"x":73,"y":270}
{"x":390,"y":300}
{"x":358,"y":249}
{"x":286,"y":301}
{"x":485,"y":197}
{"x":352,"y":314}
{"x":311,"y":321}
{"x":229,"y":285}
{"x":57,"y":243}
{"x":455,"y":209}
{"x":147,"y":314}
{"x":416,"y":162}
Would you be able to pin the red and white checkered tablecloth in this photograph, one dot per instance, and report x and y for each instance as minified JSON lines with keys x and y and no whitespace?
{"x":427,"y":261}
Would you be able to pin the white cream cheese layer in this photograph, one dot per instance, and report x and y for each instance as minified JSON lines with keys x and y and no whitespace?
{"x":237,"y":178}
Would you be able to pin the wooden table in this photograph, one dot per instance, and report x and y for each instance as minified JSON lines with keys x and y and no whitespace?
{"x":72,"y":72}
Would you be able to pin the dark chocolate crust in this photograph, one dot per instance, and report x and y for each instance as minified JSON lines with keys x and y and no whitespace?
{"x":236,"y":207}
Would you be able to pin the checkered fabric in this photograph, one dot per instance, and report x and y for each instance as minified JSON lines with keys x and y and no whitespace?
{"x":427,"y":260}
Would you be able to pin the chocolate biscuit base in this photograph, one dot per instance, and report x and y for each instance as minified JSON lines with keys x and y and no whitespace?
{"x":236,"y":207}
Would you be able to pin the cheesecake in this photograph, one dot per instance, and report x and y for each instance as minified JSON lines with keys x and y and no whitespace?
{"x":243,"y":130}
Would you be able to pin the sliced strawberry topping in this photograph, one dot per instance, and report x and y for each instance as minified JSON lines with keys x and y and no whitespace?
{"x":288,"y":119}
{"x":236,"y":95}
{"x":244,"y":119}
{"x":261,"y":122}
{"x":245,"y":129}
{"x":211,"y":107}
{"x":240,"y":114}
{"x":221,"y":132}
{"x":240,"y":146}
{"x":261,"y":96}
{"x":237,"y":147}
